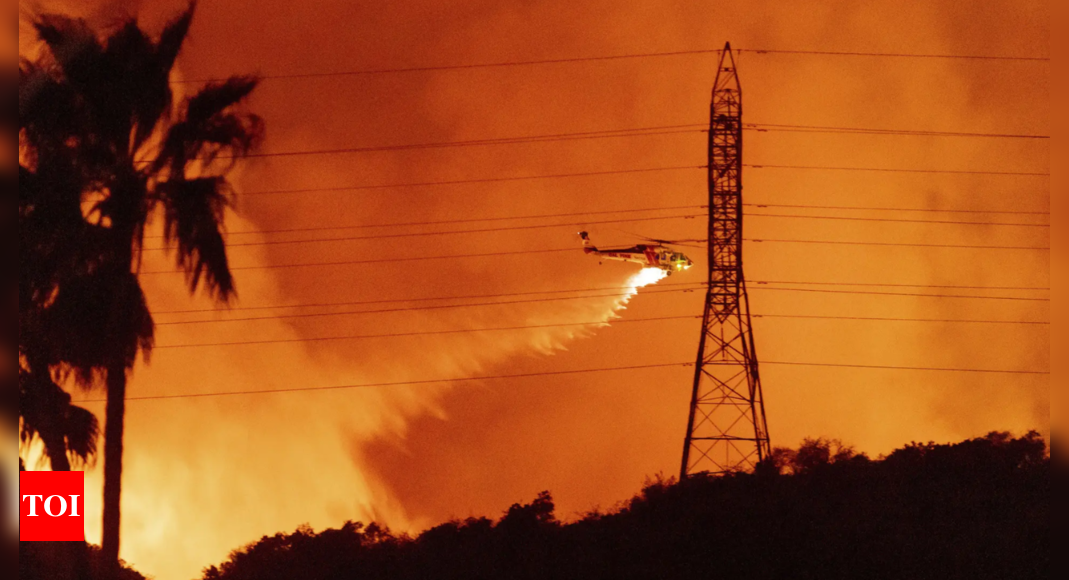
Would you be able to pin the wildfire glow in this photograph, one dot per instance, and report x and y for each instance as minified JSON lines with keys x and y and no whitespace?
{"x":327,"y":460}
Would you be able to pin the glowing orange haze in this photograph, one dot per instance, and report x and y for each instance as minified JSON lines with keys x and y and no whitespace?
{"x":206,"y":475}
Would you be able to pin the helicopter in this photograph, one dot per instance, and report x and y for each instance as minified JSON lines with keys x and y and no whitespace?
{"x":656,"y":255}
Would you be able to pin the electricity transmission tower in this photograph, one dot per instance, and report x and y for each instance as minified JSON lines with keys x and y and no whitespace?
{"x":726,"y":430}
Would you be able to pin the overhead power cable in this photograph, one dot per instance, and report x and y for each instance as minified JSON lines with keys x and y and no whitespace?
{"x":460,"y":221}
{"x":829,"y":129}
{"x":625,"y":56}
{"x":622,"y":211}
{"x":351,"y":150}
{"x":601,"y":323}
{"x":907,"y":294}
{"x":447,"y":182}
{"x":618,"y":289}
{"x":906,"y":368}
{"x":585,"y":224}
{"x":454,"y":232}
{"x":901,"y":209}
{"x":654,"y":130}
{"x":892,"y":319}
{"x":992,"y":57}
{"x":898,"y":170}
{"x":471,"y":181}
{"x":414,"y":308}
{"x":898,"y":244}
{"x":573,"y":249}
{"x":413,"y":383}
{"x":598,"y":222}
{"x":276,"y":317}
{"x":585,"y":297}
{"x":391,"y":384}
{"x":550,"y":138}
{"x":900,"y":285}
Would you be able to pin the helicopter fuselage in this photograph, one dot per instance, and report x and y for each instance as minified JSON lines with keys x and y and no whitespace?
{"x":646,"y":255}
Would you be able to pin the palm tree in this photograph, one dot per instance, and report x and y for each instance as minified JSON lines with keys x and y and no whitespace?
{"x":103,"y":150}
{"x":68,"y":432}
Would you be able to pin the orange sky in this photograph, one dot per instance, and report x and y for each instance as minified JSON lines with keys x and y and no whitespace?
{"x":204,"y":476}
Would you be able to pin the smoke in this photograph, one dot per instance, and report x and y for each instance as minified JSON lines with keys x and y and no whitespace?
{"x":255,"y":465}
{"x":206,"y":475}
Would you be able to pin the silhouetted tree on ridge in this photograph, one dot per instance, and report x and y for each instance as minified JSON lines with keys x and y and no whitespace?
{"x":100,"y":127}
{"x":976,"y":509}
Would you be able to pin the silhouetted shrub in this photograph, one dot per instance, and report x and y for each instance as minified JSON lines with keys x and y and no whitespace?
{"x":972,"y":510}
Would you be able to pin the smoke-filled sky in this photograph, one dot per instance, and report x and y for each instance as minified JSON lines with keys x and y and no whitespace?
{"x":207,"y":475}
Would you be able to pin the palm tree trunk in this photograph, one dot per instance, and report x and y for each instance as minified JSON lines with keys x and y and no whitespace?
{"x":72,"y":557}
{"x":113,"y":445}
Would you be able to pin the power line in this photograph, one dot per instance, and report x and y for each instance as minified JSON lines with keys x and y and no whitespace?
{"x":423,"y":332}
{"x":899,"y":244}
{"x":898,"y":220}
{"x":473,"y":181}
{"x":619,"y":289}
{"x":585,"y":297}
{"x":392,"y":384}
{"x":625,"y":56}
{"x":537,"y":374}
{"x":600,"y":323}
{"x":633,"y":210}
{"x":609,"y":134}
{"x":904,"y":209}
{"x":655,"y":130}
{"x":898,"y":170}
{"x":410,"y":309}
{"x":398,"y":300}
{"x":374,"y":261}
{"x":891,"y":319}
{"x":566,"y":298}
{"x":582,"y":224}
{"x":556,"y":250}
{"x":624,"y":172}
{"x":906,"y":368}
{"x":458,"y":221}
{"x":763,"y":127}
{"x":443,"y":233}
{"x":897,"y":55}
{"x":909,"y":294}
{"x":901,"y":285}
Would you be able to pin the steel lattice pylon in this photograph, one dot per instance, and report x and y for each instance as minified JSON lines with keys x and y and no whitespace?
{"x":726,"y":430}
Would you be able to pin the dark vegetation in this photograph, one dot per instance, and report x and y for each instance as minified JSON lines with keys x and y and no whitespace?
{"x":54,"y":560}
{"x":972,"y":510}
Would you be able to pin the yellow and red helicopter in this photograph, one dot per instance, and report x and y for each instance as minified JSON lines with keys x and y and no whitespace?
{"x":656,"y":255}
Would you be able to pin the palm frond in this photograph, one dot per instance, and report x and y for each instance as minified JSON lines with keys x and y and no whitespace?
{"x":216,"y":98}
{"x":193,"y":215}
{"x":82,"y":431}
{"x":47,"y":110}
{"x":133,"y":98}
{"x":172,"y":38}
{"x":209,"y":127}
{"x":95,"y":318}
{"x":73,"y":45}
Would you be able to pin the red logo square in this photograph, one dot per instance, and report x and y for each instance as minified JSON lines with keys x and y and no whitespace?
{"x":52,"y":506}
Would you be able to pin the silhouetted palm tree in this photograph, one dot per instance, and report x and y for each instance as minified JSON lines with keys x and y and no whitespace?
{"x":68,"y":432}
{"x":104,"y":150}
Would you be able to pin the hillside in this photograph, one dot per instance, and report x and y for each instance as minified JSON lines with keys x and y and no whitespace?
{"x":971,"y":510}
